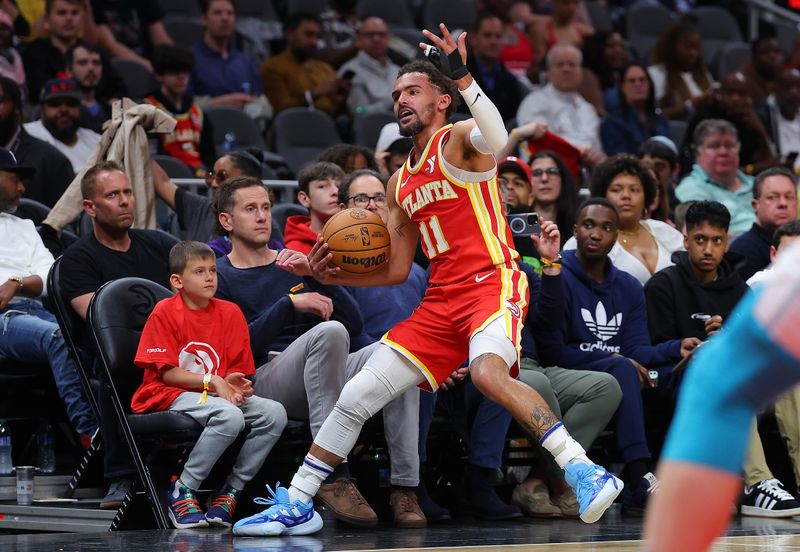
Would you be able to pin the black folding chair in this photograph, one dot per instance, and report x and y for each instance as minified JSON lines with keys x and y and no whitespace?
{"x":117,"y":314}
{"x":69,"y":322}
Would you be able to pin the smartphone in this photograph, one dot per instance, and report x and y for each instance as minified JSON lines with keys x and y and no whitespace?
{"x":349,"y":74}
{"x":524,"y":224}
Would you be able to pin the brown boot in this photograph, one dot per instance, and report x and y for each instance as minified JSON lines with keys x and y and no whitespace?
{"x":405,"y":509}
{"x":345,"y":502}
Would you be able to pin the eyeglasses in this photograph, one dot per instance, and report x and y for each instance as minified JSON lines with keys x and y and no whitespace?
{"x":551,"y":171}
{"x":362,"y":200}
{"x":221,"y":176}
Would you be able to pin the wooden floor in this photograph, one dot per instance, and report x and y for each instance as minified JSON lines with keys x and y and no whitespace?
{"x":612,"y":533}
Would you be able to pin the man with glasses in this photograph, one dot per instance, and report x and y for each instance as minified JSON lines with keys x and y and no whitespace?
{"x":58,"y":124}
{"x":371,"y":72}
{"x":716,"y":176}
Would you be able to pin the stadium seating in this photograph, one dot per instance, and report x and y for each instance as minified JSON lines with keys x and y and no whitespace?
{"x":301,"y":135}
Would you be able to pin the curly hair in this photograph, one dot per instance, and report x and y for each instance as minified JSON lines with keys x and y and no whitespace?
{"x":437,"y":80}
{"x":622,"y":163}
{"x":340,"y":154}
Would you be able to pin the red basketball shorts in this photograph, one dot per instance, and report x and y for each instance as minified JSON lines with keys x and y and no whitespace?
{"x":435,"y":338}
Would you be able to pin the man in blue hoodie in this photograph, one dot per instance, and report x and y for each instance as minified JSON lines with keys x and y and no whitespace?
{"x":605,"y":329}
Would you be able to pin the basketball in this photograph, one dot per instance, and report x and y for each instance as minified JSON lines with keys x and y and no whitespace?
{"x":358,"y":240}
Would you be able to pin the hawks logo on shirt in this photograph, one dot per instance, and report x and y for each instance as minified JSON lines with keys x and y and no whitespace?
{"x":199,"y":358}
{"x":516,"y":312}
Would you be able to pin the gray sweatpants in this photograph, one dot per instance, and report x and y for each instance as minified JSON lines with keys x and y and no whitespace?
{"x":308,"y":376}
{"x":223,"y":422}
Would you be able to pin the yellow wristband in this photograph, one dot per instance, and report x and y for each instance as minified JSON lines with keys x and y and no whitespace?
{"x":204,"y":395}
{"x":547,"y":263}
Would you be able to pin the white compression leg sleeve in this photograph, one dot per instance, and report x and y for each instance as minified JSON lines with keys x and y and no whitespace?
{"x":490,"y":135}
{"x":386,"y":375}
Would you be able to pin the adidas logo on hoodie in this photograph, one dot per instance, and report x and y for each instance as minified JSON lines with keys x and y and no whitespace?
{"x":602,"y":327}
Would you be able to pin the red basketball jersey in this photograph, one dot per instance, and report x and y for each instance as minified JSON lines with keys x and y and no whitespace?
{"x":460,"y":215}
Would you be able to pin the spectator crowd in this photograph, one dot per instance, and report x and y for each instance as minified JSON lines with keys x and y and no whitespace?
{"x":673,"y":187}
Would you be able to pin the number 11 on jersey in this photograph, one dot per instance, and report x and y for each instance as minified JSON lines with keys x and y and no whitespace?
{"x":433,"y":242}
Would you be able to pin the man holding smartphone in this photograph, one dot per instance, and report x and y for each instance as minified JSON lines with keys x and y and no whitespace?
{"x":371,"y":72}
{"x":604,"y":330}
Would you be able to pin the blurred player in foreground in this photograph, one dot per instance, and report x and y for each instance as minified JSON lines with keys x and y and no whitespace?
{"x":747,"y":365}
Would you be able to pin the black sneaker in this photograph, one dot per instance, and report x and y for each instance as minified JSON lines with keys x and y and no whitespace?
{"x":635,"y":497}
{"x":116,"y":494}
{"x":768,"y":499}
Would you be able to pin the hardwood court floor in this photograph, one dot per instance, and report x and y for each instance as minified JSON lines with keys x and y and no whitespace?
{"x":612,"y":533}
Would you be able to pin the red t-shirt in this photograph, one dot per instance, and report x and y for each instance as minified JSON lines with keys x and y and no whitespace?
{"x":213,"y":340}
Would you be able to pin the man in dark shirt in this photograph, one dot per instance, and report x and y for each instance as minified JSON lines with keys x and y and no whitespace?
{"x":129,"y":30}
{"x":53,"y":169}
{"x":45,"y":58}
{"x":112,"y":251}
{"x":484,"y":64}
{"x":775,"y":203}
{"x":311,"y":325}
{"x":95,"y":77}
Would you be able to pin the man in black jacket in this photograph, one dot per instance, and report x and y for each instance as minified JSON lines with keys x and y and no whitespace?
{"x":692,"y":299}
{"x":53,"y":170}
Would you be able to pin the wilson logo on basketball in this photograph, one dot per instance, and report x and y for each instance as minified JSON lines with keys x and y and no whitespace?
{"x":365,"y":262}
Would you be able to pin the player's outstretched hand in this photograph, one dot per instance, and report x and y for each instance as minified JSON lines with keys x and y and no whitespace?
{"x":548,"y":242}
{"x":294,"y":262}
{"x":319,"y":261}
{"x":239,"y":383}
{"x":446,"y":44}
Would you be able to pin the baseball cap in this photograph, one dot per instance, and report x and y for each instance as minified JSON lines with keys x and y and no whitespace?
{"x":516,"y":165}
{"x":390,"y":134}
{"x":60,"y":88}
{"x":8,"y":163}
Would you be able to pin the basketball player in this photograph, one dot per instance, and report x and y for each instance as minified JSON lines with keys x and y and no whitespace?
{"x":751,"y":360}
{"x":446,"y":194}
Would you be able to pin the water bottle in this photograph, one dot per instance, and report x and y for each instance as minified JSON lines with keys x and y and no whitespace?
{"x":229,"y":145}
{"x":45,"y":451}
{"x":6,"y":463}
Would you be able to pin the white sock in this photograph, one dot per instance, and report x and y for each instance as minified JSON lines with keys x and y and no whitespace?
{"x":563,"y":447}
{"x":308,"y":478}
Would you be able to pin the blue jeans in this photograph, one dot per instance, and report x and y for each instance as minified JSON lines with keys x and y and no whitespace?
{"x":29,"y":333}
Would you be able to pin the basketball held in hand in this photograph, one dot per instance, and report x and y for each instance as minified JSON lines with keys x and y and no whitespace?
{"x":358,"y":240}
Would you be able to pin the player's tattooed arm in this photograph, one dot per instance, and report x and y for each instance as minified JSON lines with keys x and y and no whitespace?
{"x":399,"y":229}
{"x":541,"y":420}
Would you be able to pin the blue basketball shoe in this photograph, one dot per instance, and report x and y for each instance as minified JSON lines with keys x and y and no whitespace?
{"x":283,"y":517}
{"x":595,"y":488}
{"x":184,"y":510}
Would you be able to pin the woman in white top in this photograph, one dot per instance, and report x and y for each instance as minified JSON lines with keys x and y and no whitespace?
{"x":644,"y":246}
{"x":681,"y":79}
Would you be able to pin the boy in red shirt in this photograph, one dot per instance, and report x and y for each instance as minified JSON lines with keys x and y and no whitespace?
{"x":195,"y":352}
{"x":318,"y":191}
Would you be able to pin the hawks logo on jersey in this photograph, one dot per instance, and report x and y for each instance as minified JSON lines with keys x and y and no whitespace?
{"x":199,"y":358}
